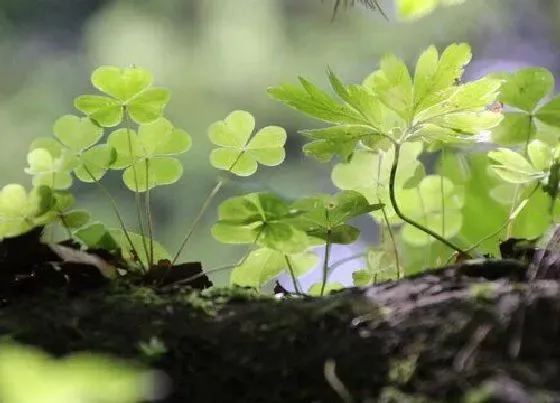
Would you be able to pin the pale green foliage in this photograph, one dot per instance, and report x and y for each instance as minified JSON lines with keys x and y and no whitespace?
{"x":381,"y":266}
{"x":325,"y":215}
{"x":375,"y":185}
{"x":410,"y":10}
{"x":261,"y":218}
{"x":27,"y":375}
{"x":264,"y":264}
{"x":20,"y":211}
{"x":391,"y":107}
{"x":48,"y":170}
{"x":315,"y":289}
{"x":523,"y":91}
{"x":148,"y":153}
{"x":97,"y":235}
{"x":283,"y":231}
{"x":515,"y":168}
{"x":76,"y":151}
{"x":238,"y":152}
{"x":436,"y":203}
{"x":128,"y":89}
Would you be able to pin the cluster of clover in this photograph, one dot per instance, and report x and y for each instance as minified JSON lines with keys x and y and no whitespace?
{"x":378,"y":129}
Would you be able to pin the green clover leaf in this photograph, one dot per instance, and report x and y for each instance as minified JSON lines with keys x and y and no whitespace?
{"x":525,"y":88}
{"x":515,"y":128}
{"x":522,"y":90}
{"x":76,"y":138}
{"x":77,"y":133}
{"x":264,"y":264}
{"x":261,"y":218}
{"x":21,"y":211}
{"x":129,"y":90}
{"x":550,"y":112}
{"x":48,"y":170}
{"x":97,"y":235}
{"x":147,"y":154}
{"x":95,"y":162}
{"x":150,"y":173}
{"x":75,"y":218}
{"x":326,"y":215}
{"x":237,"y":153}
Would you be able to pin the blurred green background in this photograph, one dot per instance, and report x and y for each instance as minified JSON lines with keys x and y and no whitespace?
{"x":220,"y":55}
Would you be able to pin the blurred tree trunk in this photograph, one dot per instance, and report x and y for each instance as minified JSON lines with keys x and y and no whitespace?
{"x":433,"y":338}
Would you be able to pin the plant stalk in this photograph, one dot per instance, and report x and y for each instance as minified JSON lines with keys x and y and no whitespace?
{"x":392,"y":196}
{"x":328,"y":246}
{"x":196,"y":221}
{"x":117,"y":214}
{"x":292,"y":275}
{"x":136,"y":192}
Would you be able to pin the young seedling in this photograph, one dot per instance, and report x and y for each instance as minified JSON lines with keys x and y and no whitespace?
{"x":378,"y":128}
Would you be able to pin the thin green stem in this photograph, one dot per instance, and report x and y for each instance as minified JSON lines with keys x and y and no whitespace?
{"x":393,"y":241}
{"x":328,"y":246}
{"x":346,"y":260}
{"x":292,"y":275}
{"x":136,"y":187}
{"x":392,"y":196}
{"x":149,"y":218}
{"x":196,"y":221}
{"x":205,"y":206}
{"x":105,"y":191}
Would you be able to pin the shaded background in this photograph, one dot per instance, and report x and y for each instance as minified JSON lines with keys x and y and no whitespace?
{"x":220,"y":55}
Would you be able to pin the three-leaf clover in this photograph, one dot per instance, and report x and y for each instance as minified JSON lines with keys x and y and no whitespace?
{"x":326,"y":215}
{"x":129,"y":90}
{"x":238,"y":152}
{"x":261,"y":218}
{"x":75,"y":150}
{"x":145,"y":157}
{"x":523,"y":91}
{"x":48,"y":170}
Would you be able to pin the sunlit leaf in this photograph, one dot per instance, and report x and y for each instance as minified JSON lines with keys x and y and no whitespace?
{"x":315,"y":289}
{"x":524,"y":88}
{"x":157,"y":171}
{"x":238,"y":152}
{"x":77,"y":133}
{"x":263,"y":264}
{"x":263,"y":218}
{"x":515,"y":128}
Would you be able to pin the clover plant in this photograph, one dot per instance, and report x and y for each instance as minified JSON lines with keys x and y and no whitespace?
{"x":377,"y":129}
